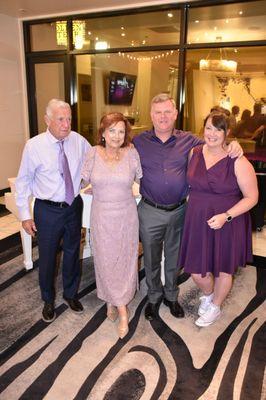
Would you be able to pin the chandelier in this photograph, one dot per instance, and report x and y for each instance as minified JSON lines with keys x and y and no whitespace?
{"x":218,"y":65}
{"x":78,"y":33}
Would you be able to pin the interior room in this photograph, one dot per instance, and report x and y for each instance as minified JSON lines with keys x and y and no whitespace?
{"x":115,"y":56}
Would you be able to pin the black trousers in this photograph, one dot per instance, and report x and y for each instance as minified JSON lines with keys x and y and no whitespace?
{"x":53,"y":224}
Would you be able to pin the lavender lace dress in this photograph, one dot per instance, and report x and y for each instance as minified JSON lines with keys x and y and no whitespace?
{"x":114,"y":224}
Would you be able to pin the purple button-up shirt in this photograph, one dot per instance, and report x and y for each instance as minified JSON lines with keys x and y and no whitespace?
{"x":164,"y":165}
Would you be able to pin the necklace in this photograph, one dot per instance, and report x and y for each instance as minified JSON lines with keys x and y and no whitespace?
{"x":111,"y":158}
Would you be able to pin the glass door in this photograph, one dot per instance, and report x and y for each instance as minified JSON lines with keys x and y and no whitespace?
{"x":48,"y":79}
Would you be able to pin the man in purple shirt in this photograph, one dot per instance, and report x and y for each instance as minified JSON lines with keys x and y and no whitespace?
{"x":58,"y":205}
{"x":164,"y":154}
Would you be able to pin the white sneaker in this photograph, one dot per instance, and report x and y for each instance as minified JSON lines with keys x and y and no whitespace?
{"x":204,"y":303}
{"x":210,"y":316}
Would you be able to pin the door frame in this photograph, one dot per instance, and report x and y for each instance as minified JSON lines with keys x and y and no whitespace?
{"x":31,"y":84}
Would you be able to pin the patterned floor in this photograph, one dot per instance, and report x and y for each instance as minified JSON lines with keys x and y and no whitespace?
{"x":80,"y":356}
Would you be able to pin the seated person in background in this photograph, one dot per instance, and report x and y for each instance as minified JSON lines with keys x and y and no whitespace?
{"x":232,"y":118}
{"x":251,"y":127}
{"x":241,"y":126}
{"x":257,"y":119}
{"x":217,"y":231}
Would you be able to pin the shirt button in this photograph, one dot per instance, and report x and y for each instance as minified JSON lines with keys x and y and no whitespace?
{"x":165,"y":169}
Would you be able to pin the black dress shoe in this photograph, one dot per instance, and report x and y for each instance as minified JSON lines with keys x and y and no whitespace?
{"x":151,"y":311}
{"x":48,"y":314}
{"x":74,"y":304}
{"x":175,"y":308}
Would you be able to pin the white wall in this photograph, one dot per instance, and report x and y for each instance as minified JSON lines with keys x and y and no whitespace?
{"x":203,"y":96}
{"x":12,"y":117}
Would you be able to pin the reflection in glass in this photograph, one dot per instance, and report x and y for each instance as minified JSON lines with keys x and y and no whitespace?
{"x":48,"y":36}
{"x":123,"y":82}
{"x":54,"y":74}
{"x":206,"y":88}
{"x":147,"y":29}
{"x":227,"y":23}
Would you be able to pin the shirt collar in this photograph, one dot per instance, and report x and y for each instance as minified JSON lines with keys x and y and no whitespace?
{"x":53,"y":139}
{"x":171,"y":138}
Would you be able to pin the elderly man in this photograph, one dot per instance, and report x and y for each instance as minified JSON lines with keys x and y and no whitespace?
{"x":50,"y":171}
{"x":164,"y":156}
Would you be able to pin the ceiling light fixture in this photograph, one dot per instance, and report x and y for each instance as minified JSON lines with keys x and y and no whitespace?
{"x":221,"y":65}
{"x":101,"y":45}
{"x":218,"y":65}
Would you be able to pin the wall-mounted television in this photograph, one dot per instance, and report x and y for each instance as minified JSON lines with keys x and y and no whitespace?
{"x":120,"y":88}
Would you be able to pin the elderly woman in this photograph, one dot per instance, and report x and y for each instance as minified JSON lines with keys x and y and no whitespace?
{"x":112,"y":167}
{"x":217,"y":232}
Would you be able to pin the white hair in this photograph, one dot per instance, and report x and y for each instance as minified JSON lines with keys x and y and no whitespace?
{"x":54,"y":104}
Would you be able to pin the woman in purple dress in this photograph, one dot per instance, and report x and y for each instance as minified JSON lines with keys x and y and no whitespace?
{"x":112,"y":167}
{"x":217,"y":232}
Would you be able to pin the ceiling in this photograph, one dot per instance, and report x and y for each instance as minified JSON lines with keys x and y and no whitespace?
{"x":29,"y":9}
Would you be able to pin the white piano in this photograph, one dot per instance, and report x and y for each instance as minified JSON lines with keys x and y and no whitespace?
{"x":26,"y":238}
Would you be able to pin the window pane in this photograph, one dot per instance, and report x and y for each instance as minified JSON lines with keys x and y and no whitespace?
{"x":210,"y":87}
{"x":155,"y":28}
{"x":227,"y":23}
{"x":54,"y":74}
{"x":49,"y":36}
{"x":124,"y":82}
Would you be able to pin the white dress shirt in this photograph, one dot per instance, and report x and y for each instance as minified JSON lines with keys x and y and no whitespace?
{"x":39,"y":175}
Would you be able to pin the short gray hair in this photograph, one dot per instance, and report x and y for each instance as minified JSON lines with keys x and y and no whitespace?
{"x":53,"y":104}
{"x":161,"y":98}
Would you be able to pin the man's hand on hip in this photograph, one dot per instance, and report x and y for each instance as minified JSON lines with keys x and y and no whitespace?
{"x":234,"y":149}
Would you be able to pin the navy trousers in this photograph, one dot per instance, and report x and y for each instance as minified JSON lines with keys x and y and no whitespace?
{"x":53,"y":225}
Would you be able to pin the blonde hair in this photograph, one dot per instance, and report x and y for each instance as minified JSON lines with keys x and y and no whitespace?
{"x":161,"y":98}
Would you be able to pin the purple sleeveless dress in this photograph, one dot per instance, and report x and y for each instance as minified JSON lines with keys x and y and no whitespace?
{"x":212,"y":192}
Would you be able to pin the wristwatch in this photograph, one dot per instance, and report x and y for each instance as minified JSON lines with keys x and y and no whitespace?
{"x":228,"y":217}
